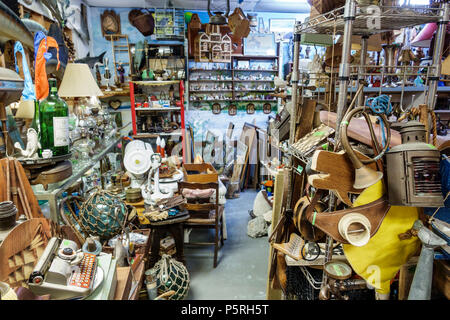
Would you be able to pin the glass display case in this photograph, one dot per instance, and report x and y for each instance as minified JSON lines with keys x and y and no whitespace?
{"x":55,"y":191}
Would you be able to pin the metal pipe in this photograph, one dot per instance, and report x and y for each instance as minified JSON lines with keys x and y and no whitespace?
{"x":438,"y":49}
{"x":293,"y":111}
{"x":364,"y":47}
{"x":344,"y":69}
{"x":344,"y":77}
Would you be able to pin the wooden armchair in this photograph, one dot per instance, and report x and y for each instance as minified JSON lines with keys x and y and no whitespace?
{"x":205,"y":215}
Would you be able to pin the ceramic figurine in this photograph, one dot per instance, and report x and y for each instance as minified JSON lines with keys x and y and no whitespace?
{"x":121,"y":71}
{"x":33,"y":145}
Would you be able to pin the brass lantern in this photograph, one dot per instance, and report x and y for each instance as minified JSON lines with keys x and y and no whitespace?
{"x":413,"y":170}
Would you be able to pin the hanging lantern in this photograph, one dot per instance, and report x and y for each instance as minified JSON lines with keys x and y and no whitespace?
{"x":413,"y":170}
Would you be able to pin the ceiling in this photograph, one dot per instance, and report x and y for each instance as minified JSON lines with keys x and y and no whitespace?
{"x":282,"y":6}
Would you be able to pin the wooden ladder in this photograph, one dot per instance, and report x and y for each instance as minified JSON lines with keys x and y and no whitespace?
{"x":119,"y":47}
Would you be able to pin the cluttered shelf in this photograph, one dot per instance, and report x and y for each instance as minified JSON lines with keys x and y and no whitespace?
{"x":157,"y":134}
{"x":388,"y":18}
{"x":162,"y":109}
{"x":156,"y":83}
{"x":398,"y":89}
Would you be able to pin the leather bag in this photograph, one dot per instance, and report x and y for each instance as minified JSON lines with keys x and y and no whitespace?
{"x":239,"y":23}
{"x":328,"y":222}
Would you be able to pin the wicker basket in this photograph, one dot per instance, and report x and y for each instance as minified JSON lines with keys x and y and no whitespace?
{"x":143,"y":21}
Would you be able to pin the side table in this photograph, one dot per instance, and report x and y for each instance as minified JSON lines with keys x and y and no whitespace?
{"x":174,"y":226}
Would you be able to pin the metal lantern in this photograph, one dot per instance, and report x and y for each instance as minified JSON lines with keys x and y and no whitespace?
{"x":103,"y":215}
{"x":413,"y":170}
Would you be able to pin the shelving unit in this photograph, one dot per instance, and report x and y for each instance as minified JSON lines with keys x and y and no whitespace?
{"x":169,"y":23}
{"x":231,"y":74}
{"x":136,"y":111}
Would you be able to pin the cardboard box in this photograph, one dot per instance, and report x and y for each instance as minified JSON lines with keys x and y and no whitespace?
{"x":198,"y":173}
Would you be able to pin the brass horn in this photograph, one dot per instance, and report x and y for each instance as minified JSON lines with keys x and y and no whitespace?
{"x":364,"y":176}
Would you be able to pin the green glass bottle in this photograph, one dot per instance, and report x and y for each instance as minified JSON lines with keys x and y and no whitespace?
{"x":54,"y":123}
{"x":35,"y":123}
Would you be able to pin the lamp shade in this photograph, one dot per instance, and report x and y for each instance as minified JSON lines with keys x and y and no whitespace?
{"x":78,"y":82}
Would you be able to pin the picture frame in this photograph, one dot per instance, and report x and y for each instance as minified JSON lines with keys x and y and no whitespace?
{"x":284,"y":25}
{"x":260,"y":44}
{"x":216,"y":108}
{"x":232,"y":110}
{"x":267,"y":108}
{"x":250,"y":108}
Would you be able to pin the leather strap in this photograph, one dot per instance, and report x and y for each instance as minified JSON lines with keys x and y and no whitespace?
{"x":313,"y":204}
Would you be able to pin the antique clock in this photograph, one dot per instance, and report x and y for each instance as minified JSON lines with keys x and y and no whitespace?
{"x":110,"y":23}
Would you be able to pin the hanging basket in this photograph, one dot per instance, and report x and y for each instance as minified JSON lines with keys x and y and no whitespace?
{"x":142,"y":19}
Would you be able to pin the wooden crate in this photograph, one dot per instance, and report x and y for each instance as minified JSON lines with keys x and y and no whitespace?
{"x":198,"y":173}
{"x":441,"y":277}
{"x":405,"y":277}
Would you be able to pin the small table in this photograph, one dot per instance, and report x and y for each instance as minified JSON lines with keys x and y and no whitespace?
{"x":175,"y":227}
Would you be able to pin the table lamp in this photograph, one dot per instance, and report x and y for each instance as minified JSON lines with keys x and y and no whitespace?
{"x":78,"y":82}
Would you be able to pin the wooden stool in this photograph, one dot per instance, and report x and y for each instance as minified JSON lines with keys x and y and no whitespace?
{"x":173,"y":226}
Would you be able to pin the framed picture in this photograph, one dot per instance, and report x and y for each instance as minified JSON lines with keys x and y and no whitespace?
{"x":281,"y":25}
{"x":216,"y":108}
{"x":250,"y":108}
{"x":267,"y":108}
{"x":232,"y":110}
{"x":260,"y":44}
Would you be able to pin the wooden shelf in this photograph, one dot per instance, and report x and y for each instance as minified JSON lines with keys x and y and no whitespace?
{"x":234,"y":100}
{"x":194,"y":91}
{"x":255,"y":70}
{"x":159,"y":109}
{"x":109,"y":94}
{"x":207,"y":70}
{"x":237,"y":80}
{"x":156,"y":83}
{"x":252,"y":90}
{"x":210,"y":80}
{"x":213,"y":100}
{"x":157,"y":134}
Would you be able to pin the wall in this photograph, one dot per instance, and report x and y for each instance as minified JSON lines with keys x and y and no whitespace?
{"x":201,"y":121}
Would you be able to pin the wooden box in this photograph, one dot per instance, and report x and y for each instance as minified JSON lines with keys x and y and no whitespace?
{"x":124,"y":281}
{"x":139,"y":248}
{"x":441,"y":277}
{"x":199,"y":173}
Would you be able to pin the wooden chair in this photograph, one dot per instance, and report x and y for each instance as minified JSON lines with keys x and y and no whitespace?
{"x":205,"y":215}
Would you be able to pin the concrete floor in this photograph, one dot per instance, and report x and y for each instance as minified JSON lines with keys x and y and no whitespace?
{"x":241,"y":273}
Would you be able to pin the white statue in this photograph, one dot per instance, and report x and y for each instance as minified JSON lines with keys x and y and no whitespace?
{"x":33,"y":145}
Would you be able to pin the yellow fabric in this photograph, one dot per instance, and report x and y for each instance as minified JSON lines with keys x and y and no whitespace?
{"x":381,"y":258}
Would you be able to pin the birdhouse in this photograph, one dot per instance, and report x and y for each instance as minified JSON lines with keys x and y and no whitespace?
{"x":217,"y":53}
{"x":226,"y":48}
{"x":202,"y":47}
{"x":214,"y":33}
